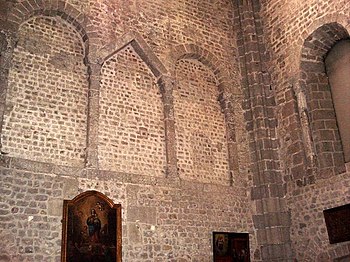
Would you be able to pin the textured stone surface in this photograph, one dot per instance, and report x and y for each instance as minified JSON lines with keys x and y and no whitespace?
{"x":298,"y":35}
{"x":308,"y":231}
{"x":131,"y":127}
{"x":45,"y":111}
{"x":111,"y":92}
{"x":160,"y":222}
{"x":31,"y":229}
{"x":200,"y":125}
{"x":197,"y":116}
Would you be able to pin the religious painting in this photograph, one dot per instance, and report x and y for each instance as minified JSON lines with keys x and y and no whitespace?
{"x":231,"y":247}
{"x":337,"y":222}
{"x":91,"y":229}
{"x":221,"y":244}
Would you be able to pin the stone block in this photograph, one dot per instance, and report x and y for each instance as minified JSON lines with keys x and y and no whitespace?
{"x":134,"y":233}
{"x":271,"y":205}
{"x":259,"y":221}
{"x":261,"y":236}
{"x":70,"y":188}
{"x":5,"y":258}
{"x":55,"y":207}
{"x":277,"y":190}
{"x":146,"y":215}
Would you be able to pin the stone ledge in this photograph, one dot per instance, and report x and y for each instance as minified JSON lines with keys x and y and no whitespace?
{"x":115,"y":176}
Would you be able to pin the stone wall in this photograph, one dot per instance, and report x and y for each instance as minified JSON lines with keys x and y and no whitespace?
{"x":196,"y":116}
{"x":163,"y":219}
{"x":200,"y":125}
{"x":298,"y":35}
{"x":131,"y":127}
{"x":165,"y":24}
{"x":109,"y":73}
{"x":97,"y":46}
{"x":298,"y":41}
{"x":46,"y":103}
{"x":308,"y":230}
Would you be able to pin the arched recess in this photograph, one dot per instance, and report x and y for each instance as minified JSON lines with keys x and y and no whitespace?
{"x":134,"y":119}
{"x":64,"y":14}
{"x":194,"y":56}
{"x":321,"y":119}
{"x":193,"y":51}
{"x":46,"y":98}
{"x":338,"y":68}
{"x":23,"y":10}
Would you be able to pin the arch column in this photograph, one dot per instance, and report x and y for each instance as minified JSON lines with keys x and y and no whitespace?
{"x":232,"y":150}
{"x":91,"y":157}
{"x":166,"y":84}
{"x":7,"y":45}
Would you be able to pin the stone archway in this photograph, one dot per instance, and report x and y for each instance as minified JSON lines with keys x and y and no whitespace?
{"x":324,"y":132}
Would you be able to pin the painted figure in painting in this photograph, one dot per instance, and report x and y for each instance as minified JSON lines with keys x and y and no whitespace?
{"x":94,"y":226}
{"x":220,"y":245}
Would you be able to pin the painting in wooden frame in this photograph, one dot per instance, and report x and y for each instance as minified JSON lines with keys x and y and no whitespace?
{"x":91,"y":229}
{"x":231,"y":247}
{"x":337,"y":222}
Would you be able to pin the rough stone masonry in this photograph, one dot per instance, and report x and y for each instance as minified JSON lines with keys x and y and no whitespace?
{"x":196,"y":116}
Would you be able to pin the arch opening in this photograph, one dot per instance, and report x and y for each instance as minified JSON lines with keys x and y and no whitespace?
{"x":323,"y":131}
{"x":338,"y":68}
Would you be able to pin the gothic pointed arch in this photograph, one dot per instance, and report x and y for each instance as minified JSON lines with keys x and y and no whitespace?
{"x":140,"y":46}
{"x":132,"y":95}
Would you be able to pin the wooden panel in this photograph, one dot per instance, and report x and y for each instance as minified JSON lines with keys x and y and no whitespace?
{"x":337,"y":222}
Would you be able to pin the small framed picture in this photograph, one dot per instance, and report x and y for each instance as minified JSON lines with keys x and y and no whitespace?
{"x":337,"y":222}
{"x":231,"y":247}
{"x":91,"y":229}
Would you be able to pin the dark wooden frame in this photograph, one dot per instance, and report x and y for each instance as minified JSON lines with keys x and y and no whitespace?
{"x":109,"y":210}
{"x":337,"y":222}
{"x":230,"y":240}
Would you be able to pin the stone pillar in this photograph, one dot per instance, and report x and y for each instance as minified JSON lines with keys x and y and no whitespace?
{"x":271,"y":218}
{"x":166,"y":85}
{"x":91,"y":160}
{"x":7,"y":46}
{"x":227,"y":106}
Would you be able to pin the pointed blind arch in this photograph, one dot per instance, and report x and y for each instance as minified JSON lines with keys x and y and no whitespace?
{"x":141,"y":48}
